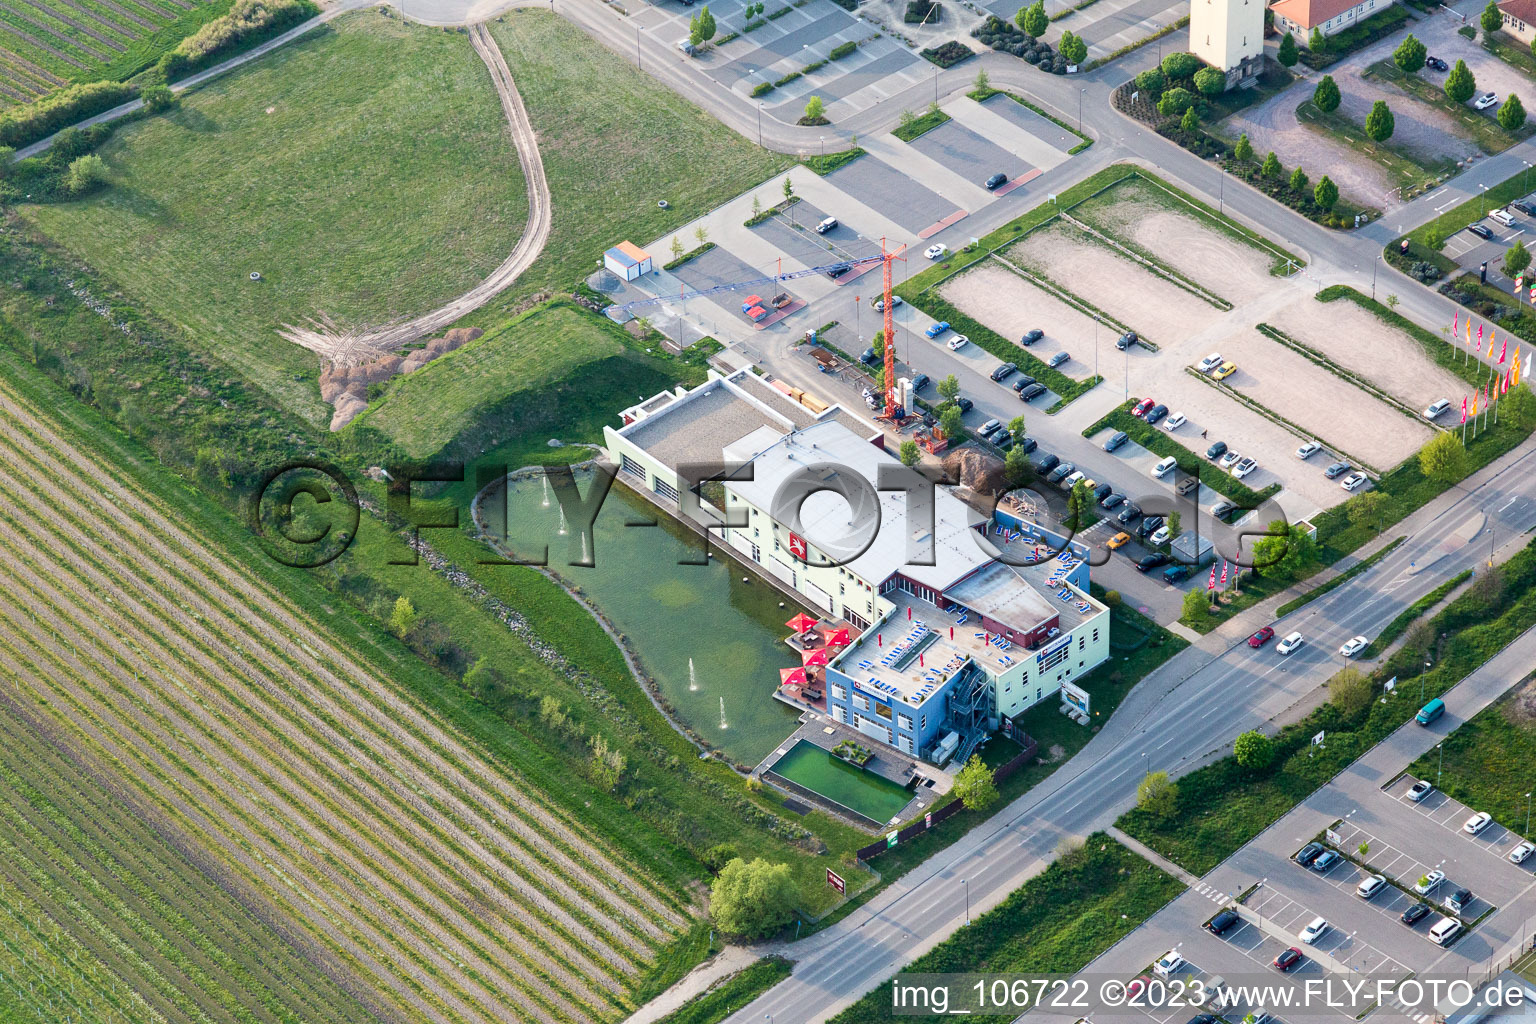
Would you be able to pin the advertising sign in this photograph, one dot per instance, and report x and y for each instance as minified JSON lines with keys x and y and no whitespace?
{"x":1075,"y":696}
{"x":835,"y":880}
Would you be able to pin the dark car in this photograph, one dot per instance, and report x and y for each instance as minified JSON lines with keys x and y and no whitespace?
{"x":1436,"y":64}
{"x":1216,"y":450}
{"x":1003,"y":370}
{"x":1030,"y":337}
{"x":1061,"y":472}
{"x":1521,"y":206}
{"x":1149,"y":526}
{"x":1262,"y":637}
{"x":1176,"y":573}
{"x":1222,"y":921}
{"x":837,"y":272}
{"x":1223,"y":508}
{"x":1152,"y":561}
{"x":997,"y":180}
{"x":1117,"y":440}
{"x":1003,"y":439}
{"x":1336,"y":470}
{"x":1201,"y":1018}
{"x":868,"y":357}
{"x":1112,"y":500}
{"x":1032,"y":392}
{"x":1101,"y":492}
{"x":1057,"y":359}
{"x":1481,"y":231}
{"x":1126,"y":340}
{"x":1047,"y":462}
{"x":1287,"y":959}
{"x":1156,"y":413}
{"x":1187,"y":484}
{"x":964,"y":404}
{"x":1325,"y":861}
{"x":1027,"y":444}
{"x":920,"y":381}
{"x":1021,"y":382}
{"x":1414,"y":914}
{"x":1459,"y":900}
{"x":1309,"y":853}
{"x":1130,"y":513}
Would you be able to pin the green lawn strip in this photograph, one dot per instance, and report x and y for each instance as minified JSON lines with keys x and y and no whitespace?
{"x":987,"y":92}
{"x":1222,"y":806}
{"x":1510,"y":51}
{"x":733,"y":993}
{"x":1479,"y":126}
{"x":907,"y":131}
{"x":1407,"y":169}
{"x":1057,"y":922}
{"x":403,"y":118}
{"x":1338,"y":581}
{"x":691,"y":254}
{"x":1263,"y":410}
{"x":941,"y":309}
{"x":1489,"y":763}
{"x":1471,"y":211}
{"x":1408,"y":616}
{"x":1161,"y":442}
{"x":825,"y":164}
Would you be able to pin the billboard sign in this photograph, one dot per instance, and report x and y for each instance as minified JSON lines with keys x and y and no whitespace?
{"x":1075,"y":696}
{"x":835,"y":880}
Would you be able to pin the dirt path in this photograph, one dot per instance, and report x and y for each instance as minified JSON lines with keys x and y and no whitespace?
{"x":354,"y":347}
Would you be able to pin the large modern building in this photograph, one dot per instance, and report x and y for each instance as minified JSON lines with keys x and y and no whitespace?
{"x":1229,"y":36}
{"x":951,"y":639}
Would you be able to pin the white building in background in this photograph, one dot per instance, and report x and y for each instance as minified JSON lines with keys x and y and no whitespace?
{"x":1229,"y":36}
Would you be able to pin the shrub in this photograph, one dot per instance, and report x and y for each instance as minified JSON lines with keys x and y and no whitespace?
{"x":1151,"y":81}
{"x":1190,"y":122}
{"x":921,"y":12}
{"x":85,"y":173}
{"x":1072,"y":48}
{"x":1298,"y":181}
{"x":1178,"y":66}
{"x":762,"y":88}
{"x":975,"y":785}
{"x":1175,"y":101}
{"x":1326,"y":195}
{"x":26,"y":125}
{"x":1210,"y":82}
{"x":947,"y":55}
{"x":1326,"y":95}
{"x":1379,"y":123}
{"x":1254,"y":750}
{"x":1243,"y":151}
{"x":1512,"y":113}
{"x":842,"y":50}
{"x":752,"y":900}
{"x":1317,"y":42}
{"x":1271,"y":168}
{"x":1033,"y":19}
{"x":1156,"y":795}
{"x":1409,"y":55}
{"x":246,"y":22}
{"x":1287,"y":54}
{"x":157,"y":98}
{"x":1459,"y":84}
{"x":1443,"y":459}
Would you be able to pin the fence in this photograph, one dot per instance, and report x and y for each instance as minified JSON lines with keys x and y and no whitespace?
{"x":942,"y":814}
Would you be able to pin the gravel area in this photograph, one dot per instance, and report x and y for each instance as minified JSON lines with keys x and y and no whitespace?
{"x":1011,"y":305}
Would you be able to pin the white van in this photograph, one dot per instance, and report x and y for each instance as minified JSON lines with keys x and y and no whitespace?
{"x":1165,"y":467}
{"x":1444,"y":931}
{"x":1502,"y":216}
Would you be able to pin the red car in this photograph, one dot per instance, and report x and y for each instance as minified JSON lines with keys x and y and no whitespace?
{"x":1262,"y":637}
{"x":1287,"y":959}
{"x":1137,"y":987}
{"x":1142,"y":407}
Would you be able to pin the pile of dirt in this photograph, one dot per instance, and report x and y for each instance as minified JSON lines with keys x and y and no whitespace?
{"x":976,"y":471}
{"x":346,"y":387}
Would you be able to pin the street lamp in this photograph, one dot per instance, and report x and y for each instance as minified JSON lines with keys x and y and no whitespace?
{"x":1482,"y":200}
{"x":1441,"y":771}
{"x":1427,"y":663}
{"x":1373,"y":276}
{"x":935,"y":86}
{"x":1527,"y":814}
{"x":1221,"y":199}
{"x":1526,"y":183}
{"x":966,"y":886}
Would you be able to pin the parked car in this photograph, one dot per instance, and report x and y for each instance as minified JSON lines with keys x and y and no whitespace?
{"x":1309,"y":853}
{"x":1047,"y":462}
{"x":1244,"y":467}
{"x":988,"y":427}
{"x":1437,"y":409}
{"x":1353,"y":482}
{"x":1003,"y":439}
{"x":1230,"y":459}
{"x":1140,"y":408}
{"x":826,"y":225}
{"x":1225,"y":370}
{"x":1337,"y":469}
{"x":1477,"y":823}
{"x":996,"y":181}
{"x":1287,"y":959}
{"x":1326,"y":861}
{"x":1222,"y":508}
{"x":1210,"y":362}
{"x":1262,"y":637}
{"x":1021,"y":381}
{"x":1032,"y":392}
{"x":1129,"y":513}
{"x":868,"y":357}
{"x":1436,"y":64}
{"x":1003,"y":370}
{"x":1027,"y":444}
{"x":1031,"y":336}
{"x":1168,"y":963}
{"x":958,"y":342}
{"x":1175,"y":421}
{"x":1315,"y":929}
{"x":1419,"y":790}
{"x":1160,"y":535}
{"x":936,"y":251}
{"x":1459,"y":900}
{"x":1222,"y":921}
{"x":1126,"y":340}
{"x":1216,"y":450}
{"x":1414,"y":914}
{"x":934,"y":330}
{"x":1118,"y":541}
{"x":1116,"y":441}
{"x":1521,"y":206}
{"x":1481,"y":231}
{"x":1485,"y":100}
{"x":1371,"y":887}
{"x":1101,"y":492}
{"x":1354,"y":646}
{"x":1520,"y":853}
{"x":1057,"y":359}
{"x":1061,"y":472}
{"x":1112,"y":500}
{"x":920,"y":381}
{"x":1429,"y":882}
{"x":1176,"y":573}
{"x":838,"y":271}
{"x":1149,"y":526}
{"x":1187,"y":484}
{"x":1290,"y":643}
{"x":1152,"y":561}
{"x":1156,"y":413}
{"x":896,"y":300}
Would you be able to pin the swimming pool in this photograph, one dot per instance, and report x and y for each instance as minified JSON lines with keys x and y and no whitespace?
{"x":863,"y":792}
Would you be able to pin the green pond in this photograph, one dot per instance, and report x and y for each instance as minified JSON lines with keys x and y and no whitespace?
{"x":877,"y":798}
{"x":714,"y":644}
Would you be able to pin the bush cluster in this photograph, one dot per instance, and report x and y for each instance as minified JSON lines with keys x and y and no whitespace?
{"x":246,"y":22}
{"x":947,"y":55}
{"x":26,"y":125}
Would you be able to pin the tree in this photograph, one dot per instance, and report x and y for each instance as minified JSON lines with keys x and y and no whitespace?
{"x":1072,"y":47}
{"x":85,"y":173}
{"x":1253,"y":750}
{"x":1271,"y":168}
{"x":1179,"y":66}
{"x":983,"y":81}
{"x":815,"y":110}
{"x":1175,"y":524}
{"x":677,"y":247}
{"x":1379,"y":123}
{"x":1350,"y":690}
{"x":1519,"y":406}
{"x":752,"y":899}
{"x":403,"y":617}
{"x":1197,"y":608}
{"x":1434,"y":238}
{"x":1492,"y":19}
{"x":1079,"y":503}
{"x":1517,"y":257}
{"x":789,"y":188}
{"x":1367,"y":509}
{"x":1036,"y":21}
{"x":1175,"y":101}
{"x":1512,"y":114}
{"x":1156,"y":795}
{"x":1016,"y":426}
{"x":952,"y":422}
{"x":1210,"y":81}
{"x":911,"y":454}
{"x":1112,"y":598}
{"x":1459,"y":84}
{"x":1243,"y":151}
{"x":975,"y":785}
{"x":1284,"y":550}
{"x":1317,"y":42}
{"x":1444,"y":459}
{"x":1326,"y":95}
{"x":1326,"y":194}
{"x":1409,"y":55}
{"x":157,"y":97}
{"x":1298,"y":181}
{"x":1016,"y":468}
{"x":1287,"y":54}
{"x":701,"y":233}
{"x":1151,"y":81}
{"x":607,"y":764}
{"x":1190,"y":121}
{"x":948,"y":388}
{"x":706,"y":24}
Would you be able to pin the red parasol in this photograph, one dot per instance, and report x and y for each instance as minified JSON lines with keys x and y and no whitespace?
{"x":800,"y":623}
{"x":839,"y":638}
{"x":816,"y":657}
{"x":792,"y":677}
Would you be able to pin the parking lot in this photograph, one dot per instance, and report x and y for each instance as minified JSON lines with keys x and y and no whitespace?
{"x":1107,"y":25}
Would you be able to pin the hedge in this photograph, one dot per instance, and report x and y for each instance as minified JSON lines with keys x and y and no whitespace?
{"x":842,"y":50}
{"x":1160,"y":442}
{"x":26,"y":125}
{"x":248,"y":23}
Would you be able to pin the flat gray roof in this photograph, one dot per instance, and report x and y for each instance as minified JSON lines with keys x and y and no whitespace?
{"x":699,"y":426}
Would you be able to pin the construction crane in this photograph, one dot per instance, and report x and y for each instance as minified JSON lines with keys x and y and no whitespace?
{"x":885,"y":258}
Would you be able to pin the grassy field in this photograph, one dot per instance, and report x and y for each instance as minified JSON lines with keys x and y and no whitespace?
{"x":612,"y":152}
{"x":1490,"y":760}
{"x":381,"y":183}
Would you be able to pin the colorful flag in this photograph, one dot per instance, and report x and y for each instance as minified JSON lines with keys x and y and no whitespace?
{"x":1514,"y":369}
{"x":1490,"y":345}
{"x":1479,"y":335}
{"x":1223,"y":571}
{"x":1505,"y":385}
{"x":1463,"y":408}
{"x":1474,"y":402}
{"x":1210,"y":584}
{"x":1503,"y":351}
{"x":1469,"y":332}
{"x":1456,"y":319}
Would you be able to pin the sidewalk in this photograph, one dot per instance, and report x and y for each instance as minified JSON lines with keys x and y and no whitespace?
{"x":1137,"y":846}
{"x":730,"y":960}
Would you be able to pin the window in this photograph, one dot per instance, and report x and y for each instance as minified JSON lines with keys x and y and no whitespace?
{"x":905,"y":742}
{"x":631,"y":466}
{"x":1081,"y":641}
{"x":839,"y":692}
{"x":1039,"y":693}
{"x":925,"y":721}
{"x":861,"y":701}
{"x":665,"y":489}
{"x":1095,"y":636}
{"x":884,"y":711}
{"x":905,"y":721}
{"x":839,"y":714}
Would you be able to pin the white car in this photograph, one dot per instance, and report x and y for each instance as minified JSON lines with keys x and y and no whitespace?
{"x":1354,"y":647}
{"x":936,"y":251}
{"x":1372,"y":885}
{"x":1290,"y":643}
{"x":1159,"y":536}
{"x":1244,"y":467}
{"x":1486,"y":100}
{"x":1314,"y":930}
{"x":1176,"y":421}
{"x":1210,"y":362}
{"x":1308,"y":450}
{"x":1419,"y":790}
{"x":1521,"y":852}
{"x":1353,"y":482}
{"x":1437,"y":409}
{"x":1168,"y":963}
{"x":1478,"y":822}
{"x":1229,"y":460}
{"x":1429,"y":882}
{"x":958,"y":342}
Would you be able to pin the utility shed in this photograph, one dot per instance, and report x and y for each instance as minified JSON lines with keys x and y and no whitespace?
{"x":628,"y":261}
{"x":1191,"y":549}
